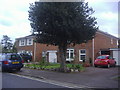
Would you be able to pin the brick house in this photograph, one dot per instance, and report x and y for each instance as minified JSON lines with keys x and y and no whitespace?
{"x":84,"y":52}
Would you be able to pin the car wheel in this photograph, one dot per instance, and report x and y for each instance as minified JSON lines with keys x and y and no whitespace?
{"x":108,"y":66}
{"x":115,"y":64}
{"x":18,"y":69}
{"x":95,"y":65}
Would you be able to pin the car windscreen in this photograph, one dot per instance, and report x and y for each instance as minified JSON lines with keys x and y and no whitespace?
{"x":101,"y":57}
{"x":13,"y":57}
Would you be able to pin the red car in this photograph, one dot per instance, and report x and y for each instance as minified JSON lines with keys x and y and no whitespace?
{"x":104,"y":60}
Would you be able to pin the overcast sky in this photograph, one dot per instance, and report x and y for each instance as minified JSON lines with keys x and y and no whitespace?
{"x":14,"y":17}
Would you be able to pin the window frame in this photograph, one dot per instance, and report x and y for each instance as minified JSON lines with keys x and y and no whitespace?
{"x":29,"y":42}
{"x":111,"y":41}
{"x":80,"y":54}
{"x":69,"y":53}
{"x":22,"y":42}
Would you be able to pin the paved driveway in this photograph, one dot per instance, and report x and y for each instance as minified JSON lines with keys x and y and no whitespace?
{"x":91,"y":77}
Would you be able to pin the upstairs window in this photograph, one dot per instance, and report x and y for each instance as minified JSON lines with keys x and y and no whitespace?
{"x":111,"y":40}
{"x":30,"y":41}
{"x":22,"y":42}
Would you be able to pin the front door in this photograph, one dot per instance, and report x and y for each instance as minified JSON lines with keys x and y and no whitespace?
{"x":52,"y":57}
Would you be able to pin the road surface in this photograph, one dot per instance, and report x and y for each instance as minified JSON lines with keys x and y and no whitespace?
{"x":10,"y":80}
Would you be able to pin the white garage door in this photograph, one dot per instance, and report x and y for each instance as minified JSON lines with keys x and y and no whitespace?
{"x":52,"y":57}
{"x":116,"y":55}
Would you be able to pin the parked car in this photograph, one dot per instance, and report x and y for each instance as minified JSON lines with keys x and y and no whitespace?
{"x":104,"y":60}
{"x":11,"y":61}
{"x":26,"y":57}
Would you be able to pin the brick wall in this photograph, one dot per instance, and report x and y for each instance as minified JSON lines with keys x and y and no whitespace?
{"x":101,"y":41}
{"x":43,"y":47}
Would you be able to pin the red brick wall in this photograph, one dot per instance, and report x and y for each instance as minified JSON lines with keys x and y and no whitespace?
{"x":26,"y":48}
{"x":101,"y":40}
{"x":43,"y":47}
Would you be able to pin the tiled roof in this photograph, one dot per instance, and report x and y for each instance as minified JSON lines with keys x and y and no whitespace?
{"x":26,"y":37}
{"x":98,"y":31}
{"x":107,"y":34}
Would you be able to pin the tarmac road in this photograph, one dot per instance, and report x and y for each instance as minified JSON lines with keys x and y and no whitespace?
{"x":92,"y":77}
{"x":13,"y":81}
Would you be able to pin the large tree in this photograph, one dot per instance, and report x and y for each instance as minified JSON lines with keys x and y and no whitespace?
{"x":62,"y":24}
{"x":6,"y":44}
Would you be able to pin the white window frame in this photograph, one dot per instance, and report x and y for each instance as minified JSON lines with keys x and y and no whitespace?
{"x":82,"y":54}
{"x":29,"y":41}
{"x":22,"y":42}
{"x":111,"y":40}
{"x":69,"y":51}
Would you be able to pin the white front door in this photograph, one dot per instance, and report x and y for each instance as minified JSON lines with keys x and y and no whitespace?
{"x":52,"y":57}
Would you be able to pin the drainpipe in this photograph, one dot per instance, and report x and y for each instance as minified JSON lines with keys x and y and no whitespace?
{"x":93,"y":47}
{"x":34,"y":51}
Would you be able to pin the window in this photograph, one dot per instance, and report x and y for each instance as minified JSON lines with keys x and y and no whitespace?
{"x":44,"y":53}
{"x":111,"y":40}
{"x":70,"y":55}
{"x":82,"y":51}
{"x":101,"y":57}
{"x":22,"y":42}
{"x":109,"y":57}
{"x":29,"y":41}
{"x":82,"y":55}
{"x":13,"y":57}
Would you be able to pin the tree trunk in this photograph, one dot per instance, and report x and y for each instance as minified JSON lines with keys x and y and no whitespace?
{"x":62,"y":57}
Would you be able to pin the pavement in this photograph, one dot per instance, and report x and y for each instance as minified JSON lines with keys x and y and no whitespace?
{"x":91,"y":78}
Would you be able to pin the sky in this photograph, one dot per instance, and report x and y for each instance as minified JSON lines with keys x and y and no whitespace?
{"x":14,"y":17}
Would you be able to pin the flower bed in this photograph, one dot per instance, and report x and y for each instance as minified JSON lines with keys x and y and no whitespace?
{"x":56,"y":67}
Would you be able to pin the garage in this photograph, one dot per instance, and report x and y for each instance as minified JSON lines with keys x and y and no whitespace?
{"x":116,"y":55}
{"x":52,"y":56}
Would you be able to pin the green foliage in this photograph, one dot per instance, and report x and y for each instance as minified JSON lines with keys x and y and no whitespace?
{"x":75,"y":66}
{"x":14,"y":49}
{"x":7,"y":44}
{"x":62,"y":24}
{"x":43,"y":62}
{"x":54,"y":66}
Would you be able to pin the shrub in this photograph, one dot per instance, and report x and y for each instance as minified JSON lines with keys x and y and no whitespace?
{"x":43,"y":63}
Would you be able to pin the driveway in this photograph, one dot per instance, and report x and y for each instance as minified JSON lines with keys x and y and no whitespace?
{"x":91,"y":77}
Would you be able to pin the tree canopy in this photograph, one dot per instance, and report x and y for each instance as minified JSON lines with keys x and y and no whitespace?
{"x":7,"y":44}
{"x":56,"y":22}
{"x":62,"y":23}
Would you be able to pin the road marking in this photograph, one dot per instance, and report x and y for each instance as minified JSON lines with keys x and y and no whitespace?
{"x":63,"y":84}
